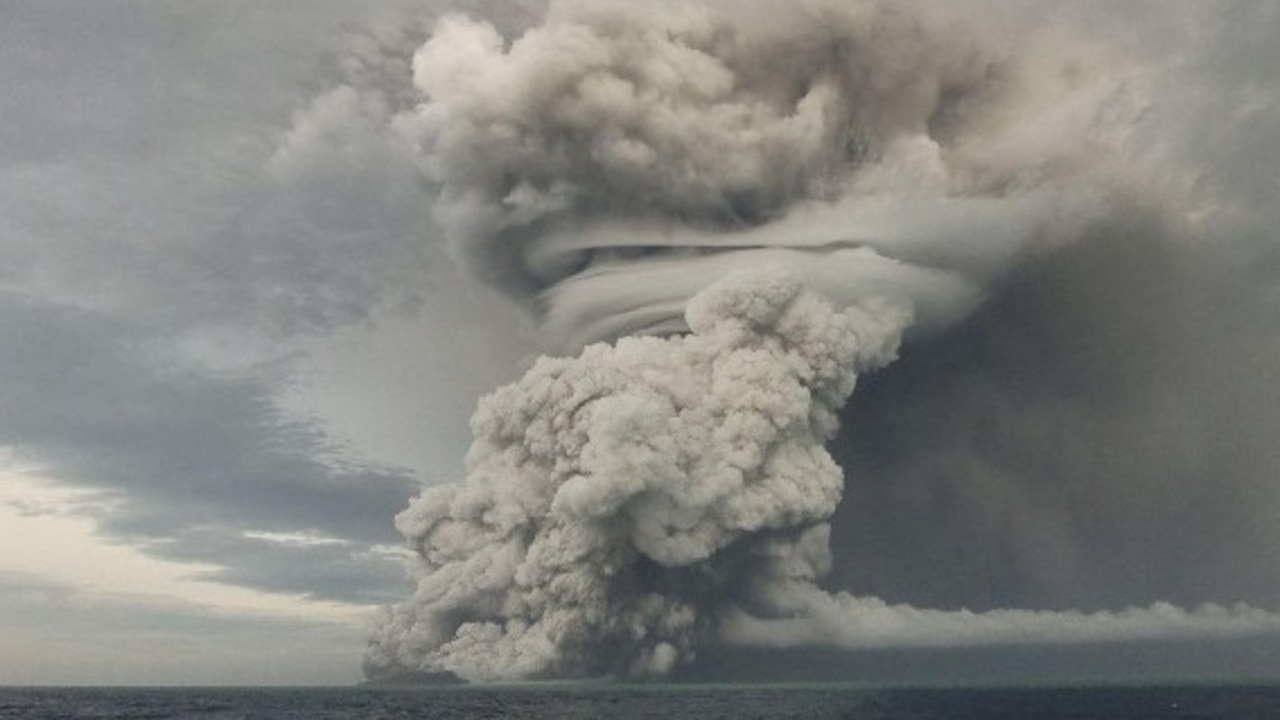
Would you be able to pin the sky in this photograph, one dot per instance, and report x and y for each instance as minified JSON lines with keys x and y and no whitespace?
{"x":239,"y":339}
{"x":222,"y":375}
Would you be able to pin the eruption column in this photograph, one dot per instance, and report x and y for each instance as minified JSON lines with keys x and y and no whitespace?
{"x":632,"y":172}
{"x":618,"y":502}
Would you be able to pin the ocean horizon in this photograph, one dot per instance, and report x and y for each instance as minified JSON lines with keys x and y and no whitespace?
{"x":672,"y":701}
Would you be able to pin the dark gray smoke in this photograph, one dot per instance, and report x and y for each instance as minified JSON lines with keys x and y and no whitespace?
{"x":752,"y":203}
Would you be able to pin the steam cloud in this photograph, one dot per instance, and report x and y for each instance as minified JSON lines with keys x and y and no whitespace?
{"x":732,"y":215}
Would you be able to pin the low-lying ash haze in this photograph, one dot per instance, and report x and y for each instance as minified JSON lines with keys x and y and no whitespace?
{"x":901,"y":340}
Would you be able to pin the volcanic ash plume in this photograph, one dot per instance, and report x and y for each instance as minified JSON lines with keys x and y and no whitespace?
{"x":625,"y":507}
{"x":613,"y":161}
{"x":627,"y":172}
{"x":618,"y":502}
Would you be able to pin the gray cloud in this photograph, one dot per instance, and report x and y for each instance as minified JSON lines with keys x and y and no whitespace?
{"x":140,"y":176}
{"x":183,"y":462}
{"x":1063,"y":212}
{"x":171,"y":243}
{"x":58,"y":634}
{"x":1103,"y":431}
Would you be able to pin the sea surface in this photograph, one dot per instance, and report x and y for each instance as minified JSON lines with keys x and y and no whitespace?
{"x":670,"y":702}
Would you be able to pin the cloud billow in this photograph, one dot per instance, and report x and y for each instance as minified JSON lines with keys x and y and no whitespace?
{"x":608,"y":165}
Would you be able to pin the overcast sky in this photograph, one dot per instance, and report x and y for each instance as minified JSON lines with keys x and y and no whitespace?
{"x":225,"y":369}
{"x":233,"y":347}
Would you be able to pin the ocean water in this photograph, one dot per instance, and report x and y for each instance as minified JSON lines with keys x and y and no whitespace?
{"x":670,"y":702}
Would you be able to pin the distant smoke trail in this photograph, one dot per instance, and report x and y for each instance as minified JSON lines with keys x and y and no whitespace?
{"x":813,"y":618}
{"x":750,"y":203}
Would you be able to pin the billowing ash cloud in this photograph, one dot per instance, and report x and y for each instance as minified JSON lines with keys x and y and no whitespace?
{"x":732,"y":211}
{"x":617,"y":500}
{"x":615,"y":160}
{"x":625,"y":507}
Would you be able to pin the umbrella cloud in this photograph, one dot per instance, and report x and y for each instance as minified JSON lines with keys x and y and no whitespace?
{"x":614,"y":161}
{"x":732,"y":212}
